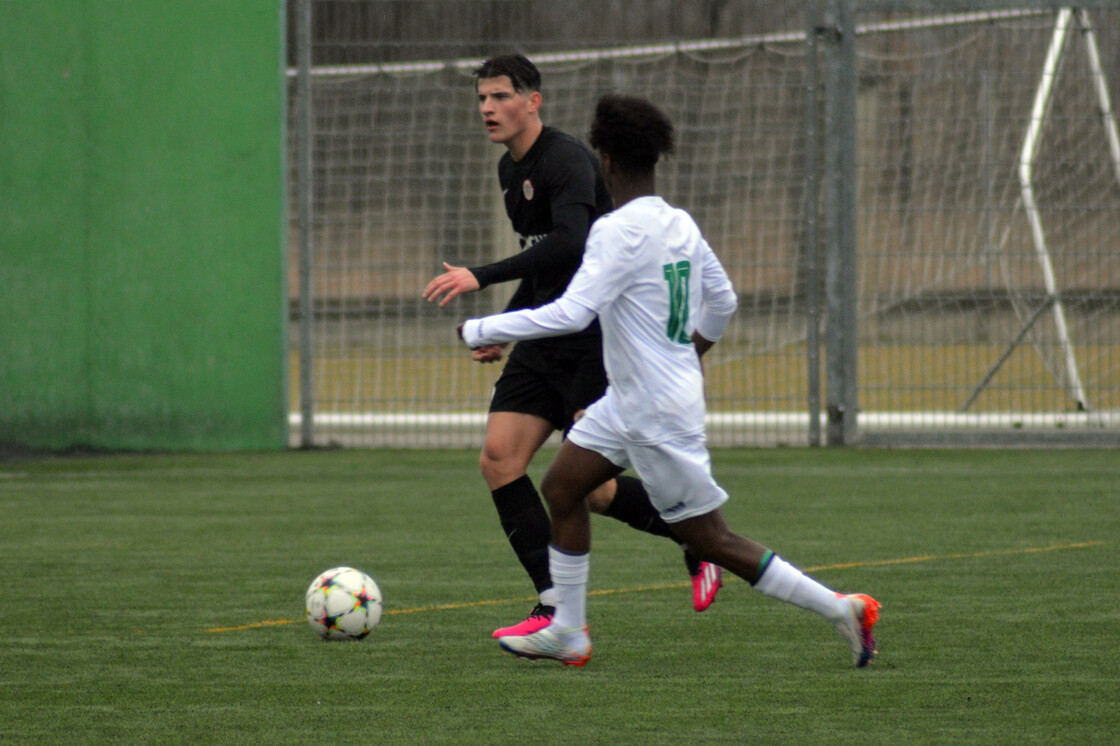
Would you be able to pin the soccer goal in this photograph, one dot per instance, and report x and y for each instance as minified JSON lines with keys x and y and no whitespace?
{"x":1032,"y":142}
{"x":986,"y":267}
{"x":994,"y":159}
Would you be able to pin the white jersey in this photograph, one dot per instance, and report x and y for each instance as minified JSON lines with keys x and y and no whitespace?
{"x":652,"y":279}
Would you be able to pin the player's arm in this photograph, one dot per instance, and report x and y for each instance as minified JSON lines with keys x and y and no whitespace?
{"x":595,"y":285}
{"x":718,"y":305}
{"x":565,"y":315}
{"x":558,"y":252}
{"x":522,"y":297}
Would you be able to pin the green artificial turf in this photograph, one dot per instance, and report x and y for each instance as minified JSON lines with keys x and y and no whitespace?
{"x":159,"y":599}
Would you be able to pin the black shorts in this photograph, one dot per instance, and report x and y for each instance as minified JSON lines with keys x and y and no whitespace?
{"x":551,"y":382}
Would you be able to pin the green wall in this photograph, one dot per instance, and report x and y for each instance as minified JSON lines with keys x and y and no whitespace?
{"x":142,"y":224}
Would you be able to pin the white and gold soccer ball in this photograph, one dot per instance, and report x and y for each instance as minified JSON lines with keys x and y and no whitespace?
{"x":343,"y":604}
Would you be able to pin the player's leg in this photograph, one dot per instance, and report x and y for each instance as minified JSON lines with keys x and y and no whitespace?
{"x":854,"y":616}
{"x":572,"y":476}
{"x":584,"y":381}
{"x":679,"y":476}
{"x":709,"y":536}
{"x":511,"y":440}
{"x":524,"y":411}
{"x":625,"y":499}
{"x":581,"y":380}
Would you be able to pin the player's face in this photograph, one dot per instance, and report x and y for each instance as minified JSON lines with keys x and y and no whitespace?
{"x":506,"y":113}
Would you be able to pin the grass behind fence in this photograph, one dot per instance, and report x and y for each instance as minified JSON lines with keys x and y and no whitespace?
{"x":159,"y":599}
{"x":893,"y":378}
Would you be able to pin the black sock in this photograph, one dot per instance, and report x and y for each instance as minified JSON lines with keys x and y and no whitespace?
{"x":631,"y":505}
{"x":527,"y":527}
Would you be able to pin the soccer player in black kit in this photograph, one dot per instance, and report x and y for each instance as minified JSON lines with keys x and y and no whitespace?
{"x":553,"y":192}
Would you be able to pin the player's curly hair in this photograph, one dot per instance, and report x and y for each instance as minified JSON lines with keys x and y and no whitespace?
{"x":632,"y":131}
{"x":522,"y":73}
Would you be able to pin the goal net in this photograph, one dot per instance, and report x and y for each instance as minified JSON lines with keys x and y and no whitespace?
{"x":951,"y":280}
{"x":989,"y":220}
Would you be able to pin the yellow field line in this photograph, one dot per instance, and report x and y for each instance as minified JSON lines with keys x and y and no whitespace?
{"x":640,"y":588}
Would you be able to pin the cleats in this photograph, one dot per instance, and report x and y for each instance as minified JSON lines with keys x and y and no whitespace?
{"x":706,"y":582}
{"x":856,"y":625}
{"x":539,"y":618}
{"x":572,"y":647}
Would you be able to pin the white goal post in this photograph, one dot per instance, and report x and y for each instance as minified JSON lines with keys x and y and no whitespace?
{"x":1031,"y":144}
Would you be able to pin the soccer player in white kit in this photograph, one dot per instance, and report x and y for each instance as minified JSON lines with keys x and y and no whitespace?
{"x":662,"y":299}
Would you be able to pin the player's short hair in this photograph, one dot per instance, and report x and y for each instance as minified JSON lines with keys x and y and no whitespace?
{"x":632,"y":131}
{"x":522,"y":73}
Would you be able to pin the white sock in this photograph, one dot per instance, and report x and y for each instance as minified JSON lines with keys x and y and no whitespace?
{"x":784,"y":582}
{"x":569,"y":580}
{"x":548,"y":597}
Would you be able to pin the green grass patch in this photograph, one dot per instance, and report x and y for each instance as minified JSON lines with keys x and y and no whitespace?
{"x":158,"y":599}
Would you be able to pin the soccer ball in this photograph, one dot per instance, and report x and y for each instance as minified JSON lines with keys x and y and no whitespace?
{"x":343,"y":604}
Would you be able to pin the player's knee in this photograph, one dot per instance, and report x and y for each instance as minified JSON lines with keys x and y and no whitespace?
{"x":558,"y":492}
{"x":499,"y":467}
{"x":485,"y":462}
{"x":550,"y":488}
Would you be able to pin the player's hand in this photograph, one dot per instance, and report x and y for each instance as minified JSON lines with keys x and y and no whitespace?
{"x":485,"y":353}
{"x":702,"y":345}
{"x":488,"y":353}
{"x":454,"y":281}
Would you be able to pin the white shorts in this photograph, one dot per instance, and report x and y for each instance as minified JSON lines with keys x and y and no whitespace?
{"x":677,"y":473}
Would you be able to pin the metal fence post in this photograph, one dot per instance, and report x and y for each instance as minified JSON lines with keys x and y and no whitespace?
{"x":305,"y":193}
{"x":810,"y":251}
{"x":841,"y":276}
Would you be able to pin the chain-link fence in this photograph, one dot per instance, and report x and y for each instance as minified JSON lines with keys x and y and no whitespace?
{"x":920,"y":210}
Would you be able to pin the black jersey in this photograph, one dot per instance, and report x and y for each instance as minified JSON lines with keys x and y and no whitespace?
{"x":558,"y":175}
